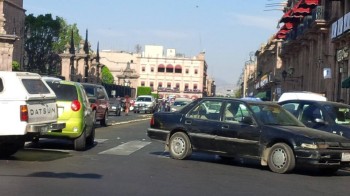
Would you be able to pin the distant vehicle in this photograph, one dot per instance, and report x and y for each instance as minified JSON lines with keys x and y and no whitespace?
{"x":75,"y":111}
{"x":326,"y":116}
{"x":115,"y":106}
{"x":253,"y":129}
{"x":99,"y":100}
{"x":179,"y":103}
{"x":28,"y":108}
{"x":145,"y":103}
{"x":302,"y":95}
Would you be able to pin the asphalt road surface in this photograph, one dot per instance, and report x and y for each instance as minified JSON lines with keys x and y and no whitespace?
{"x":124,"y":161}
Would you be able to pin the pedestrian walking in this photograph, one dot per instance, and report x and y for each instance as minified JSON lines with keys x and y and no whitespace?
{"x":127,"y":105}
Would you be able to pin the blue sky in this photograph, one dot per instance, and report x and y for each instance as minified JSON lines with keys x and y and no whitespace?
{"x":227,"y":30}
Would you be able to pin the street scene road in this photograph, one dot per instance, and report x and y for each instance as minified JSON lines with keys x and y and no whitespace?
{"x":124,"y":161}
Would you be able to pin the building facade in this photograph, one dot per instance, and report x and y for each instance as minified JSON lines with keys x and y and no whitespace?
{"x":166,"y":72}
{"x":170,"y":74}
{"x":12,"y":16}
{"x":309,"y":52}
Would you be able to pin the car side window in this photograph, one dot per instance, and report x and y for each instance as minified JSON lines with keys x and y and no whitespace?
{"x":292,"y":108}
{"x":310,"y":113}
{"x":206,"y":110}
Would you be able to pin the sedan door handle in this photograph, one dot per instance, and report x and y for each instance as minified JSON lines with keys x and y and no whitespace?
{"x":188,"y":122}
{"x":225,"y":126}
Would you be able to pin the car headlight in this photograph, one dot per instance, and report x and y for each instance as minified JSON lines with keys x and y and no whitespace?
{"x":315,"y":146}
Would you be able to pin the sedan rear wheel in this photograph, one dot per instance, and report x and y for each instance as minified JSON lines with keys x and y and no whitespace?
{"x":281,"y":158}
{"x":180,"y":146}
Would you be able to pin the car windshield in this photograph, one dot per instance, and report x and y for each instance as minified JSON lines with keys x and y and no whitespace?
{"x":148,"y":99}
{"x":339,"y":113}
{"x":274,"y":115}
{"x":35,"y":86}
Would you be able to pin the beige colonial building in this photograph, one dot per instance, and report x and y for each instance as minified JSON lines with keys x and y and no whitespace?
{"x":166,"y":72}
{"x":12,"y":16}
{"x":309,"y":52}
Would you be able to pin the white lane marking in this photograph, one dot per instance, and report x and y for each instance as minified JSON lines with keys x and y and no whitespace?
{"x":100,"y":140}
{"x":126,"y":148}
{"x":130,"y":121}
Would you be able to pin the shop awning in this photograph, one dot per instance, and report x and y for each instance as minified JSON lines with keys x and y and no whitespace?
{"x":346,"y":83}
{"x":309,"y":2}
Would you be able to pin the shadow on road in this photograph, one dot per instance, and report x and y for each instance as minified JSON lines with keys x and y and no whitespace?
{"x":64,"y":175}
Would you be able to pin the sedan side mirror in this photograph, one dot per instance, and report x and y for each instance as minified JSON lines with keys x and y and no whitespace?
{"x":247,"y":120}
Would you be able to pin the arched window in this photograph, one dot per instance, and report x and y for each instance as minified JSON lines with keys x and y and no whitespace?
{"x":160,"y":84}
{"x":161,"y":68}
{"x":169,"y":68}
{"x":178,"y":69}
{"x":142,"y":83}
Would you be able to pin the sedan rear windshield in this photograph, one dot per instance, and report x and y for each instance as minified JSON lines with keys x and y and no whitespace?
{"x":64,"y":92}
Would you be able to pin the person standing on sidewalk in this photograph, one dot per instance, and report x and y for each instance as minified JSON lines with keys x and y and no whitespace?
{"x":127,"y":104}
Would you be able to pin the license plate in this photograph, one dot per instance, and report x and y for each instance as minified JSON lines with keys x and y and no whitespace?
{"x":345,"y":156}
{"x":113,"y":107}
{"x":44,"y":129}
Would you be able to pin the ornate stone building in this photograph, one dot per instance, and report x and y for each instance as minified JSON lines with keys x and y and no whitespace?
{"x":12,"y":17}
{"x":168,"y":74}
{"x":310,"y":50}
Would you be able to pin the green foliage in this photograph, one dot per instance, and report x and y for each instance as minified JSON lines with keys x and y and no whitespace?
{"x":107,"y":76}
{"x":40,"y":34}
{"x":238,"y":93}
{"x":15,"y":66}
{"x":65,"y":34}
{"x":143,"y":90}
{"x":45,"y":38}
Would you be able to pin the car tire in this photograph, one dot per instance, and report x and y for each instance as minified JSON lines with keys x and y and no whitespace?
{"x":80,"y":142}
{"x":180,"y":146}
{"x":90,"y":140}
{"x":281,"y":158}
{"x":94,"y":117}
{"x":104,"y":121}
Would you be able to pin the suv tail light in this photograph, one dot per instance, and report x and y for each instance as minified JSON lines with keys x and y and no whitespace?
{"x":75,"y":106}
{"x":24,"y":113}
{"x":152,"y":121}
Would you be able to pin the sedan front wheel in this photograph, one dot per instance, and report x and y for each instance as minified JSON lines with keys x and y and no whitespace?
{"x":180,"y":146}
{"x":281,"y":158}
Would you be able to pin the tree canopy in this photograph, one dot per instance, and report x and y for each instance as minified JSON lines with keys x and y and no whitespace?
{"x":45,"y":38}
{"x":107,"y":77}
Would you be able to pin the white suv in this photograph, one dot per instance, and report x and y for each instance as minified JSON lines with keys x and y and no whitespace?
{"x":145,"y":103}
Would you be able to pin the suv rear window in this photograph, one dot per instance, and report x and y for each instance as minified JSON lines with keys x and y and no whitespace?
{"x":35,"y":86}
{"x":64,"y":92}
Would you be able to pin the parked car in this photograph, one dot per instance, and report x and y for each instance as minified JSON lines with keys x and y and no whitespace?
{"x":302,"y":95}
{"x":179,"y":103}
{"x":74,"y":110}
{"x":326,"y":116}
{"x":145,"y":103}
{"x":254,"y":129}
{"x":28,"y":108}
{"x":99,"y":100}
{"x":115,"y":104}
